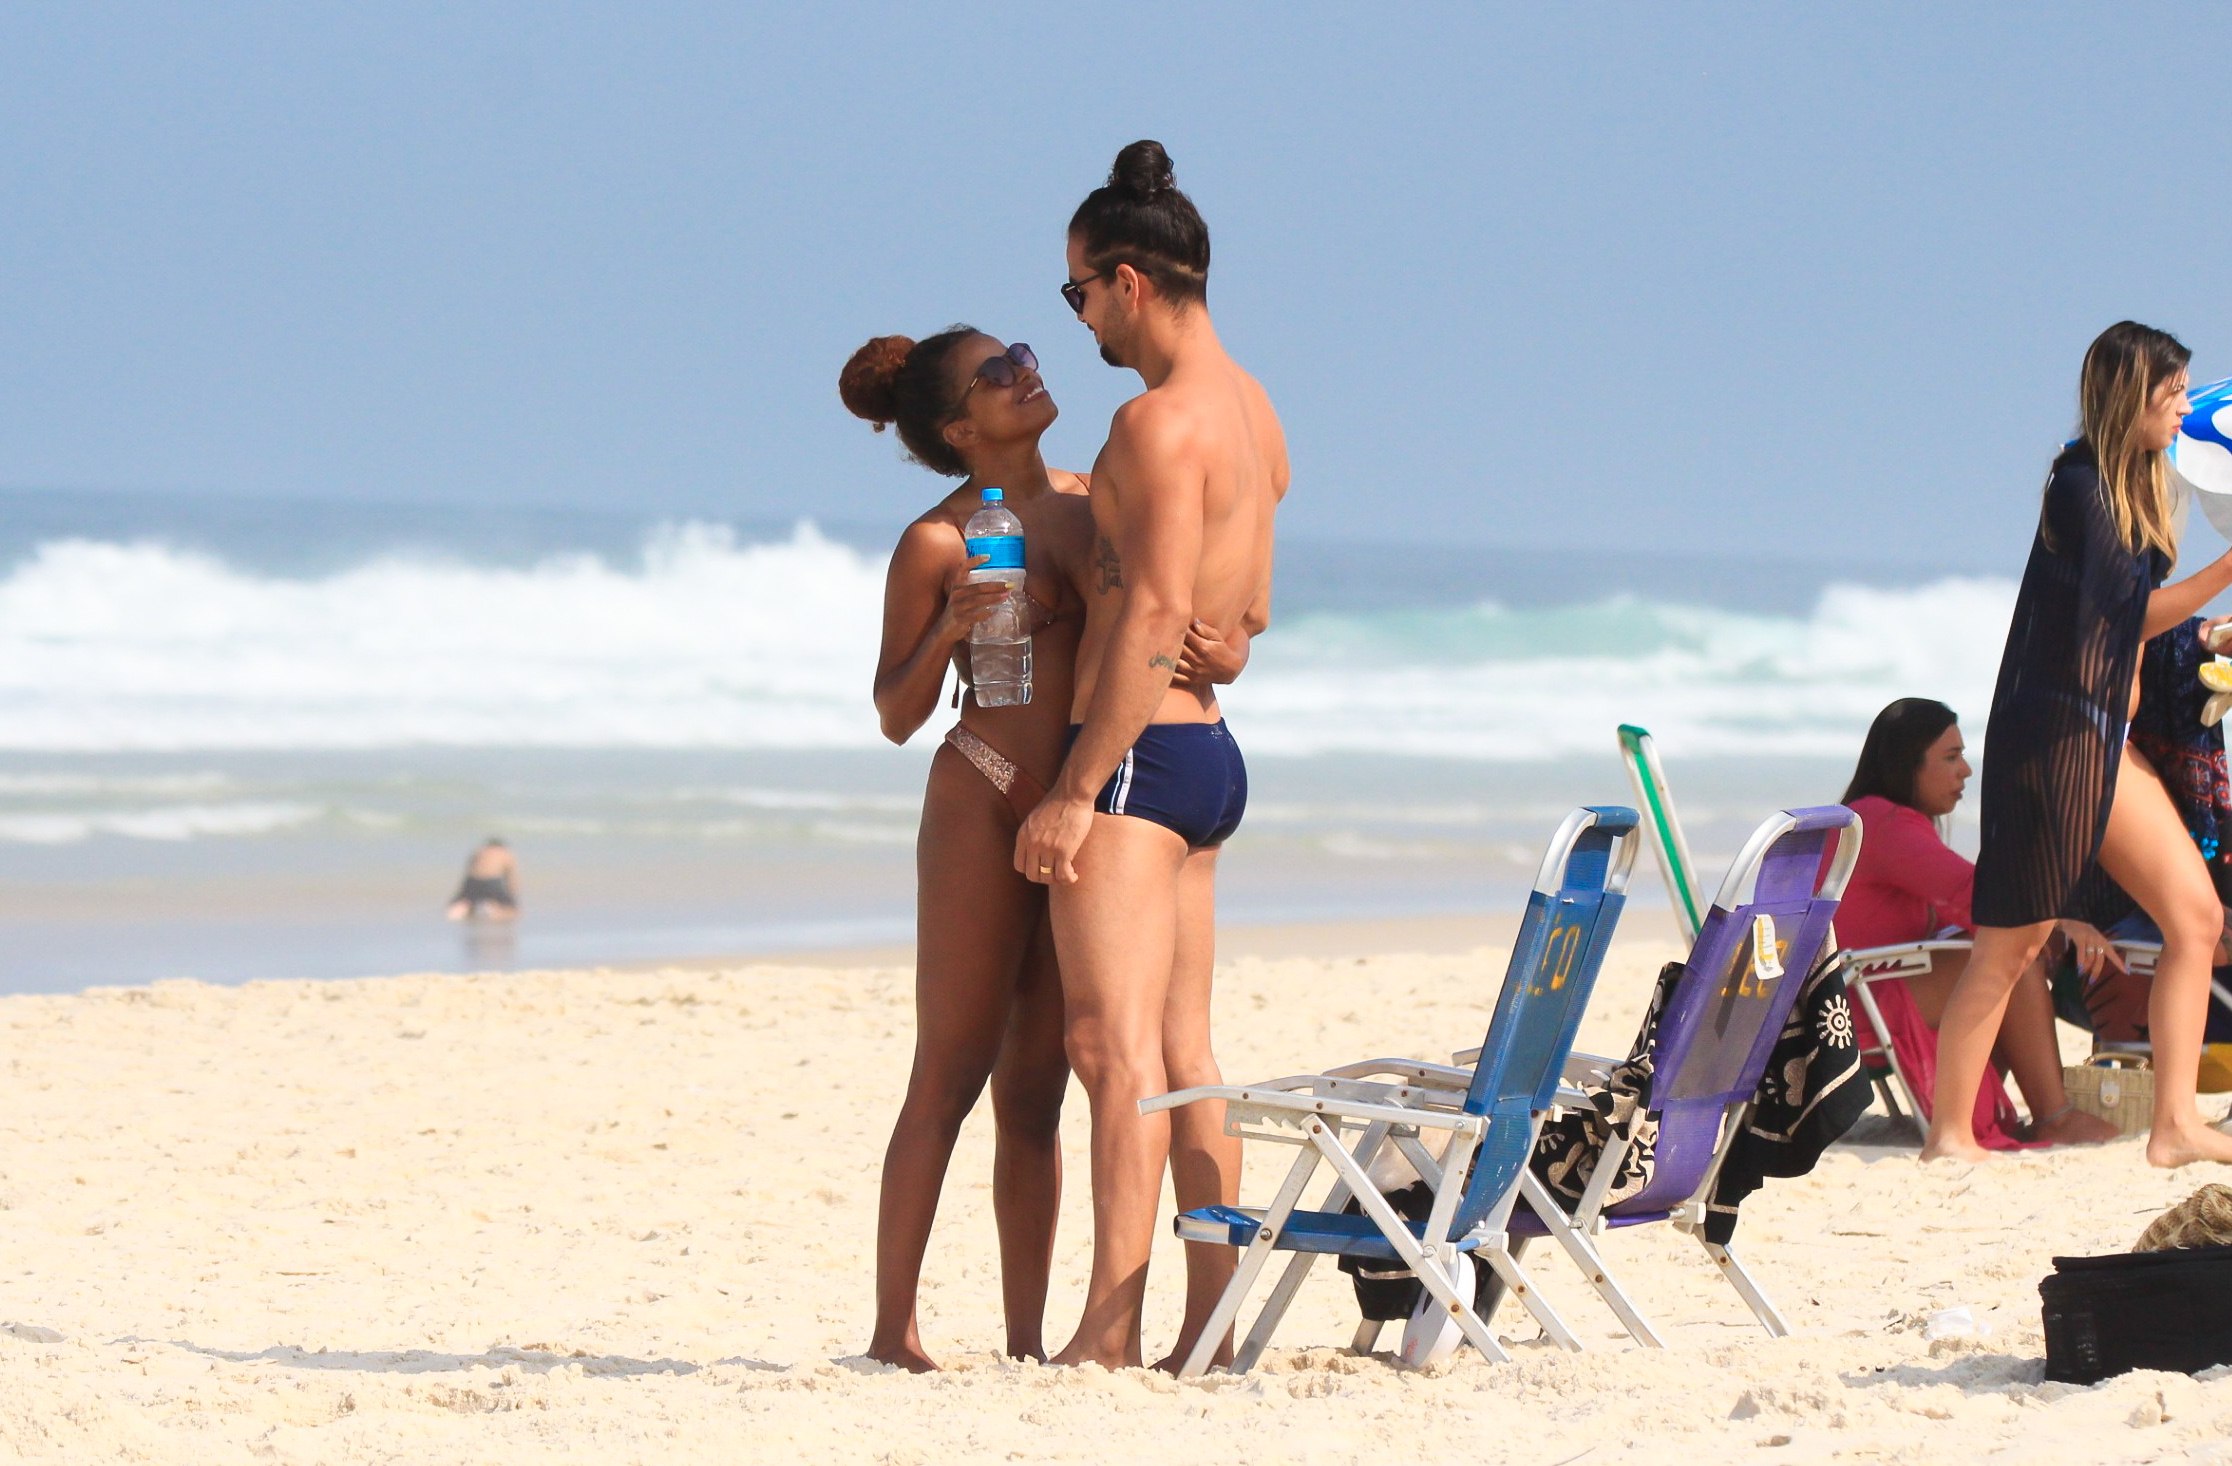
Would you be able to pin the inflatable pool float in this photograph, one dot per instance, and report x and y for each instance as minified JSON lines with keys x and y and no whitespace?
{"x":2202,"y":453}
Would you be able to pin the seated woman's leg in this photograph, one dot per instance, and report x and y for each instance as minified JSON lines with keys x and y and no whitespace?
{"x":2026,"y":1045}
{"x":2148,"y":853}
{"x":1968,"y":1029}
{"x":2032,"y":1053}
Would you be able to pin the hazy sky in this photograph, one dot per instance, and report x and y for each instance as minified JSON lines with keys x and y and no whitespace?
{"x":1801,"y":277}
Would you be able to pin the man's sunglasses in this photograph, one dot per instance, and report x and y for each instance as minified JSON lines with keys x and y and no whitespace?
{"x":1001,"y":371}
{"x":1073,"y":291}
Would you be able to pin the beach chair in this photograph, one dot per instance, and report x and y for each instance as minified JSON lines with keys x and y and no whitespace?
{"x":1710,"y":1052}
{"x":1663,"y":828}
{"x":1486,"y":1116}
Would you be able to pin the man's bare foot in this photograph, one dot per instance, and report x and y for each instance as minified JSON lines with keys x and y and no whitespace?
{"x":2190,"y":1142}
{"x":907,"y":1354}
{"x":1942,"y":1148}
{"x":2072,"y":1126}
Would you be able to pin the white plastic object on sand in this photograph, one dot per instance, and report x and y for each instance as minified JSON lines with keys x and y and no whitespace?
{"x":1954,"y":1323}
{"x":1432,"y":1334}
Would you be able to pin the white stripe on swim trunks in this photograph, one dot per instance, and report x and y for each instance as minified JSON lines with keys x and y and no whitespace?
{"x":1123,"y":784}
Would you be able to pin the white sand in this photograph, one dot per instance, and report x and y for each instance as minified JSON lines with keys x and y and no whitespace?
{"x":617,"y":1217}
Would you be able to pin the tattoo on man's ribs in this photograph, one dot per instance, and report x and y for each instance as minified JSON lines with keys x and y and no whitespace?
{"x":1109,"y":563}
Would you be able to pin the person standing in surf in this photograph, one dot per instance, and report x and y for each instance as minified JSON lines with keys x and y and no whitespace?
{"x":2062,"y":786}
{"x":1183,"y":500}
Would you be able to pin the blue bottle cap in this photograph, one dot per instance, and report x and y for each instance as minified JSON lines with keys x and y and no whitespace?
{"x":994,"y":496}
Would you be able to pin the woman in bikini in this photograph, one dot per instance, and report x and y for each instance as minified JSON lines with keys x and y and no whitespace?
{"x":988,"y":992}
{"x":2062,"y":786}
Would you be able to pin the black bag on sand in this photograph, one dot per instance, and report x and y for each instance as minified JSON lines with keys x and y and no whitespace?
{"x":2138,"y":1310}
{"x":1387,"y":1291}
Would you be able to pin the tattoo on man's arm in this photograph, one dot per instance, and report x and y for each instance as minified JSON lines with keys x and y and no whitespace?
{"x":1109,"y":563}
{"x":1163,"y":661}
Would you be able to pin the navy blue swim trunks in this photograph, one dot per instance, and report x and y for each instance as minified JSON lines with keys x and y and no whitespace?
{"x":1186,"y":777}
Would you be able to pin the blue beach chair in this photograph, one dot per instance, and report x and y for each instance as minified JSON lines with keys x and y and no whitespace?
{"x":1710,"y":1052}
{"x":1489,"y":1114}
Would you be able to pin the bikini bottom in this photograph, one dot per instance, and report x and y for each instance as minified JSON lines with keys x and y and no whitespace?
{"x":1023,"y":792}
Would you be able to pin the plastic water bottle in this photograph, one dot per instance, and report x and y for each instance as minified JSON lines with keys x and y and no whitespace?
{"x":999,"y":645}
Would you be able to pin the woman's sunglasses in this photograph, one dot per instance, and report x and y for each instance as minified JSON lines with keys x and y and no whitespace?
{"x":1001,"y":371}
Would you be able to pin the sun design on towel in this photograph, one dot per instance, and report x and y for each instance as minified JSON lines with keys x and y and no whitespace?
{"x":1835,"y":1023}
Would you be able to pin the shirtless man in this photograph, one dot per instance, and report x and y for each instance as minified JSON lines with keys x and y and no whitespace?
{"x":491,"y":885}
{"x":1183,"y":498}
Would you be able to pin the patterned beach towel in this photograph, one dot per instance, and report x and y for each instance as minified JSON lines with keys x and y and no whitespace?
{"x":1813,"y":1091}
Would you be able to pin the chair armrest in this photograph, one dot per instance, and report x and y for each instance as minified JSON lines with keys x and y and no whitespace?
{"x":1579,"y":1068}
{"x":1583,"y":1068}
{"x":2143,"y":957}
{"x":1863,"y":965}
{"x":1333,"y":1107}
{"x":1417,"y":1071}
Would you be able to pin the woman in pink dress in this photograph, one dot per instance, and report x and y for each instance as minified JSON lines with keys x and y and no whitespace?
{"x":1909,"y":886}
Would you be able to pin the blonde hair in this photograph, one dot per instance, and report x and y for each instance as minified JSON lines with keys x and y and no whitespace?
{"x":2124,"y":368}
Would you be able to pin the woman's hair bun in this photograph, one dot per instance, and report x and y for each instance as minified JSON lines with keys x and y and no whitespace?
{"x":1142,"y":171}
{"x":869,"y":384}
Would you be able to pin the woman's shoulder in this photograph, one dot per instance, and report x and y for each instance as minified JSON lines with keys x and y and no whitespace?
{"x":934,"y":535}
{"x":1878,"y":813}
{"x":2074,"y":473}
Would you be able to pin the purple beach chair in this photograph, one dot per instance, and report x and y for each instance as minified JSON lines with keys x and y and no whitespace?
{"x":1710,"y":1052}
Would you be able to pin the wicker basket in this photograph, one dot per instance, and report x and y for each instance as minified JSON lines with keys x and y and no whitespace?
{"x":2120,"y":1093}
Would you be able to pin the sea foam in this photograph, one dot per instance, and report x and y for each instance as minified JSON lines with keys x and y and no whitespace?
{"x":706,"y":642}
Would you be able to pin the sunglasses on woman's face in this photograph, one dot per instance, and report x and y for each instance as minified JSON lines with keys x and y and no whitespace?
{"x":1001,"y":371}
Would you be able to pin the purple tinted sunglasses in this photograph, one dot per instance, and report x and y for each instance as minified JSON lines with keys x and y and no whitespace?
{"x":1001,"y":371}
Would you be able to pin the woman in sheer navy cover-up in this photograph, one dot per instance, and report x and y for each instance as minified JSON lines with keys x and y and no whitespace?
{"x":2061,"y":785}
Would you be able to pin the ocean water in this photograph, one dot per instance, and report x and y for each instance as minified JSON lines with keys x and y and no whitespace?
{"x":243,"y":740}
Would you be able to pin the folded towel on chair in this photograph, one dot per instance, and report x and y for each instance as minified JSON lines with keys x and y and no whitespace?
{"x":1813,"y":1091}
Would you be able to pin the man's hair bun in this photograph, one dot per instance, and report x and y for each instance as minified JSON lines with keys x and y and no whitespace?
{"x":869,"y":384}
{"x":1142,"y":171}
{"x":1142,"y":218}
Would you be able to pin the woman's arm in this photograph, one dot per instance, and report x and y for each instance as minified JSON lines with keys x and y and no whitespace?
{"x":1209,"y":658}
{"x":2175,"y":603}
{"x":928,"y":610}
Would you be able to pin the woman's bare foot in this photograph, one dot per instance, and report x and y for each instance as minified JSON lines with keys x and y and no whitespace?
{"x":1175,"y":1360}
{"x":2189,"y":1142}
{"x":1945,"y":1148}
{"x":2072,"y":1126}
{"x":907,"y":1354}
{"x":1108,"y":1354}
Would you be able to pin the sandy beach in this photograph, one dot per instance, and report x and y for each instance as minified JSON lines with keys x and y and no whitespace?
{"x":626,"y":1216}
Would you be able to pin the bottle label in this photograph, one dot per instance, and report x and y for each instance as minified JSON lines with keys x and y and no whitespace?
{"x":1005,"y":551}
